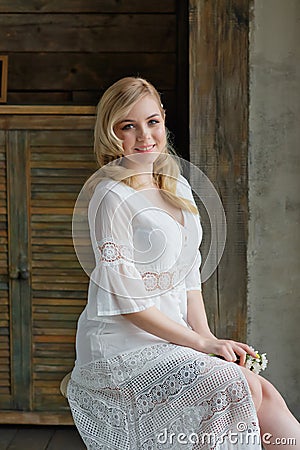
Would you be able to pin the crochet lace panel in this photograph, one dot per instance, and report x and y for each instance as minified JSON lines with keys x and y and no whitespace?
{"x":139,"y":400}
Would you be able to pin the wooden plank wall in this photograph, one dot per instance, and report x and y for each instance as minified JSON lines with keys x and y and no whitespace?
{"x":219,"y":144}
{"x":69,"y":51}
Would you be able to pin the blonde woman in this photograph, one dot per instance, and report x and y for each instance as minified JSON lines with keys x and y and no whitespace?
{"x":143,"y":377}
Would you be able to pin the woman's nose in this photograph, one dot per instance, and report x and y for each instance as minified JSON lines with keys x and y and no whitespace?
{"x":142,"y":134}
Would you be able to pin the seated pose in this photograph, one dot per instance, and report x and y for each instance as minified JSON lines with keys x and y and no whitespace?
{"x":144,"y":377}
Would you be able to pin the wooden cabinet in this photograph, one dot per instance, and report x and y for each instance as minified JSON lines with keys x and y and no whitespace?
{"x":46,"y":154}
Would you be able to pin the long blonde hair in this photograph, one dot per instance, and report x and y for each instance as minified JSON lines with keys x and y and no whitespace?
{"x":113,"y":106}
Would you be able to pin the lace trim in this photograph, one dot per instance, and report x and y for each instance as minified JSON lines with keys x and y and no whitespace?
{"x":155,"y":389}
{"x":163,"y":280}
{"x":112,"y":253}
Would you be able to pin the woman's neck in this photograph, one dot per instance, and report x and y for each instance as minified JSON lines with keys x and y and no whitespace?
{"x":144,"y":175}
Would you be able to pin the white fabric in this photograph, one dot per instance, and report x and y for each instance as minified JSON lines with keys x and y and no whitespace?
{"x":129,"y":387}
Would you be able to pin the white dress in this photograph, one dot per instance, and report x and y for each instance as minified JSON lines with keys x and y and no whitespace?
{"x":129,"y":389}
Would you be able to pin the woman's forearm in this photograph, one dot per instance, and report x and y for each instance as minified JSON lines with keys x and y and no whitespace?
{"x":155,"y":322}
{"x":196,"y":315}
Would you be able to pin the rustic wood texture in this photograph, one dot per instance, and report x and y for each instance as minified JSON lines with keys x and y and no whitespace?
{"x":218,"y":144}
{"x":93,"y":33}
{"x":87,"y":6}
{"x":40,"y":438}
{"x":43,"y":288}
{"x":3,"y":78}
{"x":19,"y":267}
{"x":47,"y":109}
{"x":87,"y":71}
{"x":59,"y":165}
{"x":70,"y":51}
{"x":5,"y":366}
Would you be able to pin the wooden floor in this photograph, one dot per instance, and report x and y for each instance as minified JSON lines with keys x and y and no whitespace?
{"x":40,"y":438}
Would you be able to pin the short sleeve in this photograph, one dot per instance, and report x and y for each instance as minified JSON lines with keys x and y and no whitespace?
{"x":193,"y":278}
{"x":116,"y":286}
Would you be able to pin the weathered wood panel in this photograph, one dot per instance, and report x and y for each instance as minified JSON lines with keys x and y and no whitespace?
{"x":20,"y":122}
{"x":92,"y":33}
{"x":75,"y":71}
{"x":70,"y":51}
{"x":218,"y":144}
{"x":46,"y":170}
{"x":88,"y":6}
{"x":19,"y":267}
{"x":5,"y":371}
{"x":56,"y":160}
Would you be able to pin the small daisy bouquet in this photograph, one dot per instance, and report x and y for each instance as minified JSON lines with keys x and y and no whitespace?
{"x":256,"y":364}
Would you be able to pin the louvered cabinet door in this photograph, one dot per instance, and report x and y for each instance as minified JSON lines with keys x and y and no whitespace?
{"x":44,"y":162}
{"x":5,"y":366}
{"x":60,"y":162}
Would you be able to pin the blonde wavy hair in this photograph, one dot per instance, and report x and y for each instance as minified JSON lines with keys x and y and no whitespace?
{"x":114,"y":106}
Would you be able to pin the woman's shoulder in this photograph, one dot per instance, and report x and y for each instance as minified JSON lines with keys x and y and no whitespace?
{"x":108,"y":185}
{"x":183,"y":186}
{"x":108,"y":195}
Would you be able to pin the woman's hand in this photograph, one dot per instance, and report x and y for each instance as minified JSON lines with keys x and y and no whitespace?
{"x":229,"y":350}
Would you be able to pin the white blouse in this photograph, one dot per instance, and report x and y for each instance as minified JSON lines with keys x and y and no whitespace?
{"x":144,"y":257}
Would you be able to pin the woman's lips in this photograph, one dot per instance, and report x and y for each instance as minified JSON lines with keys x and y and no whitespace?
{"x":145,"y":148}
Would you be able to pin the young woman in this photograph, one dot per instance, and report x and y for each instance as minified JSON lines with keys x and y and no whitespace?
{"x":143,"y":377}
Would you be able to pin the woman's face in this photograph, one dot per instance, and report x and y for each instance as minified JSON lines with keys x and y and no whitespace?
{"x":142,"y":131}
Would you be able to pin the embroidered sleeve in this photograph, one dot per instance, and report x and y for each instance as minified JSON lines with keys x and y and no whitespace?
{"x":116,"y":286}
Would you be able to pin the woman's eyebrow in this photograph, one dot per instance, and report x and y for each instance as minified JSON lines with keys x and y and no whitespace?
{"x":131,"y":120}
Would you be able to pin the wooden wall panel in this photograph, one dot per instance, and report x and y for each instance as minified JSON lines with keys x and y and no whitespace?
{"x":43,"y":166}
{"x":59,"y":166}
{"x":92,"y":33}
{"x":70,"y":51}
{"x":91,"y":6}
{"x":5,"y":371}
{"x":87,"y":71}
{"x":219,"y":33}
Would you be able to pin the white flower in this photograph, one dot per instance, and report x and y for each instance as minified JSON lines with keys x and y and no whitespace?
{"x":256,"y":364}
{"x":248,"y":363}
{"x":256,"y":367}
{"x":264,"y":361}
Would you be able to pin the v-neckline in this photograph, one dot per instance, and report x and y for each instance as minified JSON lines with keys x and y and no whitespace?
{"x":154,"y":206}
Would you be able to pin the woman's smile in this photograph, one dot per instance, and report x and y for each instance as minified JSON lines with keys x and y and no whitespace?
{"x":145,"y":148}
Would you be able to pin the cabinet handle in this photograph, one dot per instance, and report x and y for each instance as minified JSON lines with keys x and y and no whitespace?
{"x":24,"y":274}
{"x":19,"y":273}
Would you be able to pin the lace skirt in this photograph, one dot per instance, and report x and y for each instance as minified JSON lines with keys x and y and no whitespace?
{"x":163,"y":396}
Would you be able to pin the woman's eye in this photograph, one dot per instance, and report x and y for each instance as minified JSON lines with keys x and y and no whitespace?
{"x":129,"y":126}
{"x":153,"y":122}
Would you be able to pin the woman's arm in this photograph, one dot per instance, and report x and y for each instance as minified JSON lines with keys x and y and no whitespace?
{"x":197,"y":319}
{"x":196,"y":315}
{"x":155,"y":322}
